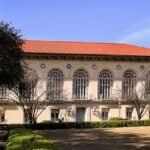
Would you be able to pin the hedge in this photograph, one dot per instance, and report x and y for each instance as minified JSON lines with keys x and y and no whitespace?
{"x":69,"y":125}
{"x":25,"y":139}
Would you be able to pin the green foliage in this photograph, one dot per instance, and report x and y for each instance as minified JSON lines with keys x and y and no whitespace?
{"x":116,"y":118}
{"x":10,"y":55}
{"x":101,"y":124}
{"x":46,"y":121}
{"x":23,"y":139}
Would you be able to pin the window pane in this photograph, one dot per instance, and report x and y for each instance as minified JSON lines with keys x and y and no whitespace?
{"x":128,"y":84}
{"x":2,"y":117}
{"x":54,"y":87}
{"x":2,"y":92}
{"x":80,"y":84}
{"x":105,"y":112}
{"x":129,"y":113}
{"x":105,"y":83}
{"x":54,"y":115}
{"x":147,"y":85}
{"x":28,"y":88}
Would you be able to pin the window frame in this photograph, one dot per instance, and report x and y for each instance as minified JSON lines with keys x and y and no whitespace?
{"x":55,"y":115}
{"x":128,"y":84}
{"x":30,"y":85}
{"x":3,"y":92}
{"x":105,"y":114}
{"x":55,"y":85}
{"x":105,"y":81}
{"x":26,"y":116}
{"x":129,"y":112}
{"x":147,"y":85}
{"x":80,"y":85}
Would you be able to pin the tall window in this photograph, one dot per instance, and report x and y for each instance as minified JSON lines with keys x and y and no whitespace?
{"x":2,"y":92}
{"x":80,"y":84}
{"x":105,"y":112}
{"x":129,"y":112}
{"x":147,"y":85}
{"x":128,"y":84}
{"x":2,"y":115}
{"x":55,"y":84}
{"x":54,"y":115}
{"x":28,"y":88}
{"x":26,"y":117}
{"x":105,"y":83}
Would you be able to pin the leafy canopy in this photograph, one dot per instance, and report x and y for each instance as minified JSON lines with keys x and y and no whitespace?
{"x":11,"y":43}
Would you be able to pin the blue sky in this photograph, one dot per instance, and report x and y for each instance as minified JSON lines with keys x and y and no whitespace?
{"x":125,"y":21}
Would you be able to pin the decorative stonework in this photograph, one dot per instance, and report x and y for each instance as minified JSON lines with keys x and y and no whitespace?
{"x":142,"y":67}
{"x":68,"y":66}
{"x":94,"y":67}
{"x":118,"y":67}
{"x":42,"y":65}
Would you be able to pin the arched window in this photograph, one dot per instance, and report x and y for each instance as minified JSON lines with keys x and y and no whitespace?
{"x":104,"y":85}
{"x":3,"y":92}
{"x":147,"y":85}
{"x":128,"y":84}
{"x":80,"y":84}
{"x":55,"y":84}
{"x":29,"y":85}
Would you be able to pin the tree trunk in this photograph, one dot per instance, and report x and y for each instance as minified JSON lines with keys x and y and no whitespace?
{"x":30,"y":120}
{"x":139,"y":116}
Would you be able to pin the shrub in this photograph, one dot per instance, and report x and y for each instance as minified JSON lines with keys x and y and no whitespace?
{"x":116,"y":118}
{"x":23,"y":139}
{"x":97,"y":124}
{"x":146,"y":123}
{"x":46,"y":121}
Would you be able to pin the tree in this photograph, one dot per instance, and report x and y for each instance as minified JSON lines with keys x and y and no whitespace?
{"x":137,"y":99}
{"x":25,"y":95}
{"x":10,"y":55}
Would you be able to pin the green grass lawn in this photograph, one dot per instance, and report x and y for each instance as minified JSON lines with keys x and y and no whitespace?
{"x":23,"y":139}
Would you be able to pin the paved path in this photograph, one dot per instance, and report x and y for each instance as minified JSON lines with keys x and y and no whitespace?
{"x":131,"y":138}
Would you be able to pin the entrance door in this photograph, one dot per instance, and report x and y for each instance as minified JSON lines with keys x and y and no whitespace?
{"x":80,"y":114}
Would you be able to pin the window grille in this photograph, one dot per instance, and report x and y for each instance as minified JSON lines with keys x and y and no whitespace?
{"x":54,"y":115}
{"x":105,"y":112}
{"x":147,"y":85}
{"x":29,"y":86}
{"x":129,"y":113}
{"x":3,"y":92}
{"x":104,"y":84}
{"x":55,"y":84}
{"x":128,"y":84}
{"x":80,"y":85}
{"x":26,"y":116}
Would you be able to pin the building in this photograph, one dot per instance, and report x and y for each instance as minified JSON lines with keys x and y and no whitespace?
{"x":84,"y":81}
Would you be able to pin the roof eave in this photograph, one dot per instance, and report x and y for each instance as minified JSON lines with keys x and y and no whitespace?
{"x":102,"y":57}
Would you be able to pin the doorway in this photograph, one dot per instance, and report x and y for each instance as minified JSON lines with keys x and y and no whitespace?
{"x":80,"y":114}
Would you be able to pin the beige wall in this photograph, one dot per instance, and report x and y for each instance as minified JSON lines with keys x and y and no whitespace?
{"x":15,"y":114}
{"x":93,"y":74}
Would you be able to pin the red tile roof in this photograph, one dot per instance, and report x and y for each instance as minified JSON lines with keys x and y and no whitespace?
{"x":87,"y":48}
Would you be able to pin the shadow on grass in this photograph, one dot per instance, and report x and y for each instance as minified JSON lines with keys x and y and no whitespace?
{"x":97,"y":139}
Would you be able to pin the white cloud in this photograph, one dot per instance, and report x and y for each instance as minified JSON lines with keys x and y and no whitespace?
{"x":133,"y":37}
